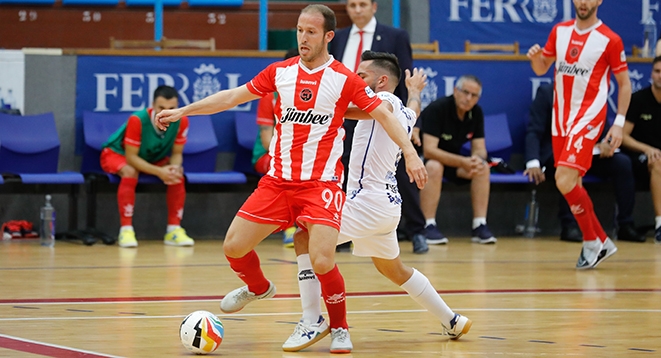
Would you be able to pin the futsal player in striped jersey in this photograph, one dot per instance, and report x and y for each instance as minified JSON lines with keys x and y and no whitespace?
{"x":372,"y":210}
{"x":585,"y":52}
{"x":303,"y":184}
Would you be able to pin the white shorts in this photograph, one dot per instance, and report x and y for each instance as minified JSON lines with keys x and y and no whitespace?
{"x":373,"y":233}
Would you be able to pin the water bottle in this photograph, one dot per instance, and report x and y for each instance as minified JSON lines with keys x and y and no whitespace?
{"x":532,"y":214}
{"x":649,"y":36}
{"x":47,"y":229}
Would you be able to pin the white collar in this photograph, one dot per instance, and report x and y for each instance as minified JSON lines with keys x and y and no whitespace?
{"x":585,"y":31}
{"x":370,"y":28}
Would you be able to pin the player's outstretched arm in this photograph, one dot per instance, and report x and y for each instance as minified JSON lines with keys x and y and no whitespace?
{"x":540,"y":64}
{"x":357,"y":113}
{"x":415,"y":83}
{"x":414,"y":166}
{"x":217,"y":102}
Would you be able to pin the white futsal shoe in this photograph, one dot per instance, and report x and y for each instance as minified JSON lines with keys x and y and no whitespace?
{"x":306,"y":335}
{"x":459,"y":325}
{"x":239,"y":298}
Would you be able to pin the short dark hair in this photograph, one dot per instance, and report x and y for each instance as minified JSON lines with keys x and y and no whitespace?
{"x":384,"y":60}
{"x":292,"y":52}
{"x":326,"y":12}
{"x":166,"y":92}
{"x":656,"y":59}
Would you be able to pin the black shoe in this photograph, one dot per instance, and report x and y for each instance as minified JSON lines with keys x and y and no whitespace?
{"x":419,"y":244}
{"x":346,"y":247}
{"x":628,"y":233}
{"x":571,"y":234}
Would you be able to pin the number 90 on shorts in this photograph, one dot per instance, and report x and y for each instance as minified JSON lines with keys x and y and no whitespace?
{"x":283,"y":203}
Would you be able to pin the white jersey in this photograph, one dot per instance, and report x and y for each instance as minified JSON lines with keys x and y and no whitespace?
{"x":374,"y":158}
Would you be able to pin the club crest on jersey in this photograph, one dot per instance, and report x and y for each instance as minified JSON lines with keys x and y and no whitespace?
{"x":308,"y":117}
{"x":573,"y":52}
{"x":369,"y":92}
{"x":305,"y":95}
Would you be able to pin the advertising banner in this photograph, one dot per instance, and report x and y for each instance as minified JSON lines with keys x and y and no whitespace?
{"x":126,"y":84}
{"x":452,"y":22}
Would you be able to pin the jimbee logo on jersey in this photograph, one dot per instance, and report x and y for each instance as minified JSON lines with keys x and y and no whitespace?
{"x":306,"y":94}
{"x":307,"y":117}
{"x":369,"y":92}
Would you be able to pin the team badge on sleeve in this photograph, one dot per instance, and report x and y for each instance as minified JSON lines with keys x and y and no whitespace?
{"x":623,"y":56}
{"x":369,"y":92}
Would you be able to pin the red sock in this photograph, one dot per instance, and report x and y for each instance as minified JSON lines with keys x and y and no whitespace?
{"x":249,"y":271}
{"x":581,"y":207}
{"x":334,"y":293}
{"x":126,"y":200}
{"x":176,"y":197}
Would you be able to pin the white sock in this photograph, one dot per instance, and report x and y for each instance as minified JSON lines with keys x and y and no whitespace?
{"x":657,"y":221}
{"x":310,"y":289}
{"x":422,"y":291}
{"x":125,"y":228}
{"x":479,"y":221}
{"x":430,"y":222}
{"x":172,"y":228}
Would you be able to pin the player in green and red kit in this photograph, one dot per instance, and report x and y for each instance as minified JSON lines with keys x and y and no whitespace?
{"x":140,"y":147}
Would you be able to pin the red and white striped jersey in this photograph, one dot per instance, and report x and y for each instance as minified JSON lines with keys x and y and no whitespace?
{"x":583,"y":66}
{"x":309,"y":114}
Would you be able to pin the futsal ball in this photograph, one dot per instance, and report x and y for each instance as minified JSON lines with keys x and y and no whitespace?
{"x":201,"y":332}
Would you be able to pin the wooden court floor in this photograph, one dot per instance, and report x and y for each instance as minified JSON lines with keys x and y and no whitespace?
{"x":524,"y":296}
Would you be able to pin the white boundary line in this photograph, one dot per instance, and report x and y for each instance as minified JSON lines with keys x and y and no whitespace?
{"x":516,"y":293}
{"x":265,"y":314}
{"x":54,"y":346}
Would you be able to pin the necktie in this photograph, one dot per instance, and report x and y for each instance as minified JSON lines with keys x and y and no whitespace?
{"x":360,"y":50}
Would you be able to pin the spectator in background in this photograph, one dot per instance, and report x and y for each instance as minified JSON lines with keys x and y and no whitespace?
{"x":642,"y":139}
{"x":140,"y":147}
{"x":347,"y":46}
{"x":616,"y":167}
{"x":585,"y":53}
{"x":261,"y":158}
{"x":448,"y":123}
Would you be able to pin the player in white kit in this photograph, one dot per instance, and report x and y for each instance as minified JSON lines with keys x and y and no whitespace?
{"x":372,"y":209}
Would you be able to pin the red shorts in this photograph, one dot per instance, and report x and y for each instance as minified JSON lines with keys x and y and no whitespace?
{"x":283,"y":203}
{"x":263,"y":163}
{"x":112,"y":162}
{"x":574,"y":151}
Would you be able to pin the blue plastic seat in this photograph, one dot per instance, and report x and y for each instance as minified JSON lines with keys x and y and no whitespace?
{"x":199,"y":152}
{"x":497,"y":137}
{"x":30,"y":149}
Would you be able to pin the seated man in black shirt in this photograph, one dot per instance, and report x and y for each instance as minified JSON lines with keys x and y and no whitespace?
{"x":539,"y":154}
{"x":642,"y":140}
{"x":448,"y":123}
